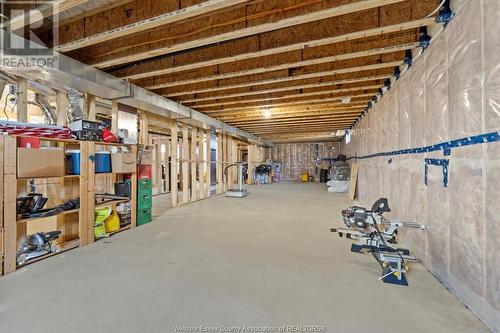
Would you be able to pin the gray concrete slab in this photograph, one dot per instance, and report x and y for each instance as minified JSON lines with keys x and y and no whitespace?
{"x":263,"y":261}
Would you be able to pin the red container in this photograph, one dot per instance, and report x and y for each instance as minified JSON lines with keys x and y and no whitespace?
{"x":144,"y":171}
{"x":26,"y":142}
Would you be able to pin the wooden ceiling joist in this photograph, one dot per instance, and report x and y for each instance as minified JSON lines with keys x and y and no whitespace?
{"x":107,"y":62}
{"x":366,"y":80}
{"x":301,"y":95}
{"x":360,"y":99}
{"x":151,"y":23}
{"x":167,"y":81}
{"x":290,"y":113}
{"x":392,"y":64}
{"x":143,"y":70}
{"x":309,"y":115}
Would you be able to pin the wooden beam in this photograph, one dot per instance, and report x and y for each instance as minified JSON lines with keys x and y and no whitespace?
{"x":143,"y":128}
{"x":203,"y":193}
{"x":237,"y":122}
{"x":288,"y":110}
{"x":301,"y":102}
{"x":173,"y":164}
{"x":220,"y":166}
{"x":61,"y":108}
{"x":264,"y":99}
{"x":185,"y":165}
{"x":365,"y":80}
{"x":164,"y":82}
{"x":150,"y":23}
{"x":9,"y":188}
{"x":141,"y":73}
{"x":253,"y":30}
{"x":22,"y":100}
{"x":391,"y":64}
{"x":292,"y":113}
{"x":114,"y":117}
{"x":209,"y":161}
{"x":91,"y":108}
{"x":194,"y":163}
{"x":36,"y":15}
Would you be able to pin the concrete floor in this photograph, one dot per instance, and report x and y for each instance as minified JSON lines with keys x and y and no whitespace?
{"x":267,"y":260}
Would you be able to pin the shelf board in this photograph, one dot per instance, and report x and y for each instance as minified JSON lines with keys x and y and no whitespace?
{"x":114,"y":144}
{"x":63,"y":247}
{"x":114,"y":173}
{"x":45,"y":217}
{"x":111,"y":202}
{"x":127,"y":227}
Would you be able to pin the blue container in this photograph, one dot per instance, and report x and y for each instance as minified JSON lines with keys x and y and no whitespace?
{"x":73,"y":162}
{"x":102,"y":162}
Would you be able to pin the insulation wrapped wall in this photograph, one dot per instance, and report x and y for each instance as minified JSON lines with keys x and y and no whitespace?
{"x":299,"y":157}
{"x":451,"y":92}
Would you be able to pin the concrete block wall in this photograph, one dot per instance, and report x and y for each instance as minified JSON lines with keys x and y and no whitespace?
{"x":452,"y":91}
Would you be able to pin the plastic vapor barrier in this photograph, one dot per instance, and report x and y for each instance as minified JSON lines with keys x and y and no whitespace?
{"x":301,"y":157}
{"x":452,"y":91}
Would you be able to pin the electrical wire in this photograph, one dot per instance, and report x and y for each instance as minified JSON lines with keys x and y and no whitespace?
{"x":437,"y":9}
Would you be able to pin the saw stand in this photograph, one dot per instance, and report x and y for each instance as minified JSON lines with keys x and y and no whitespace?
{"x":240,"y":191}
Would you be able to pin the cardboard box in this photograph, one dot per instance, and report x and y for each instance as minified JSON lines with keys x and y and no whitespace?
{"x":40,"y":163}
{"x":123,"y":162}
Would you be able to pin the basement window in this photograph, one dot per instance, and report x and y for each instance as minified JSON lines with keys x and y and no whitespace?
{"x":348,"y":137}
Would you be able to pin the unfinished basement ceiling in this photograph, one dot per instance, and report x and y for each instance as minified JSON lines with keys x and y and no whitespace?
{"x":284,"y":70}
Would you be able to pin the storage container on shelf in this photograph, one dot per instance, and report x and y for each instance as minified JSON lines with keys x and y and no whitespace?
{"x":73,"y":162}
{"x":103,"y":162}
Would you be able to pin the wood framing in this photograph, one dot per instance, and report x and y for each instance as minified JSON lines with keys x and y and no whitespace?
{"x":194,"y":163}
{"x":185,"y":165}
{"x":62,"y":108}
{"x":174,"y":178}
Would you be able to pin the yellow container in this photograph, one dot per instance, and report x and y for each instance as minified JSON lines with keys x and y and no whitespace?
{"x":304,"y":176}
{"x":112,"y":223}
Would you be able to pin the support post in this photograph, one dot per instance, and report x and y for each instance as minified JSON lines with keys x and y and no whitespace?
{"x":173,"y":163}
{"x":91,"y":108}
{"x":9,"y":198}
{"x":22,"y":100}
{"x":203,"y":192}
{"x":144,"y":129}
{"x":251,"y":163}
{"x":185,"y":165}
{"x":209,"y":162}
{"x":114,"y":117}
{"x":220,"y":167}
{"x":62,"y":108}
{"x":194,"y":164}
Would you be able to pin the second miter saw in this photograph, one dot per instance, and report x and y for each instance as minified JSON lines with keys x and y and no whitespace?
{"x":377,"y":235}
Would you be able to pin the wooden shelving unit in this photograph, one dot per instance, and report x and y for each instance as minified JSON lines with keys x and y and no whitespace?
{"x":76,"y":225}
{"x":104,"y":183}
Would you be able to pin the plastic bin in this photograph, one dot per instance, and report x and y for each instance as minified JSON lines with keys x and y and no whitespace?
{"x":102,"y":162}
{"x":144,"y":216}
{"x":73,"y":162}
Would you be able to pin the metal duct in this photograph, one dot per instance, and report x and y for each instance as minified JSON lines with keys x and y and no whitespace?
{"x":47,"y":109}
{"x":75,"y":110}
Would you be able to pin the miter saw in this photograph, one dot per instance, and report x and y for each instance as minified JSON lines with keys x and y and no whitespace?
{"x":377,"y":235}
{"x":37,"y":245}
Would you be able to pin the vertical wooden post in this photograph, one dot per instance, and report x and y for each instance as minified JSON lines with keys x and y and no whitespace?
{"x":220,"y":166}
{"x":114,"y":117}
{"x":90,"y":190}
{"x":194,"y":139}
{"x":143,"y":129}
{"x":225,"y":175}
{"x":22,"y":100}
{"x":133,"y":198}
{"x":9,"y":198}
{"x":203,"y":178}
{"x":173,"y":163}
{"x":251,"y":163}
{"x":209,"y":162}
{"x":185,"y":164}
{"x":62,"y":108}
{"x":91,"y":111}
{"x":167,"y":164}
{"x":83,"y":217}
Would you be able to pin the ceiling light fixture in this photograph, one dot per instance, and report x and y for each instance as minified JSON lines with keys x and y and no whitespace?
{"x":267,"y":113}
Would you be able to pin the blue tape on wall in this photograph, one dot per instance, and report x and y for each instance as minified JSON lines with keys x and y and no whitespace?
{"x":446,"y":147}
{"x":442,"y":163}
